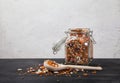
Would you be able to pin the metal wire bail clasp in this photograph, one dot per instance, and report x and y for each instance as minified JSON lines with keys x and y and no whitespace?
{"x":91,"y":37}
{"x":58,"y":45}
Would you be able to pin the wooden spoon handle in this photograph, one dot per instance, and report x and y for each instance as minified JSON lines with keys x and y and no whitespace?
{"x":85,"y":67}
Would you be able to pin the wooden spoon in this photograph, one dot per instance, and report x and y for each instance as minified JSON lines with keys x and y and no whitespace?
{"x":52,"y":65}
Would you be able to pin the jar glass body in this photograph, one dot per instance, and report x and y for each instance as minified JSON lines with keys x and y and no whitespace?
{"x":78,"y":46}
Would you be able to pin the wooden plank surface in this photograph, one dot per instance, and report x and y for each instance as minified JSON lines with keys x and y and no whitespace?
{"x":8,"y":72}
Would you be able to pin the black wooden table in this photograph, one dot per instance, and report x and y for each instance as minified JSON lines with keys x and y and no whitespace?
{"x":8,"y":72}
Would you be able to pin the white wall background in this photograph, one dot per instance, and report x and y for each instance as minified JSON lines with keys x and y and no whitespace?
{"x":28,"y":28}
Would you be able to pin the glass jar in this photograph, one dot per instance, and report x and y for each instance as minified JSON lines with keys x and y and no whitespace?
{"x":78,"y":46}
